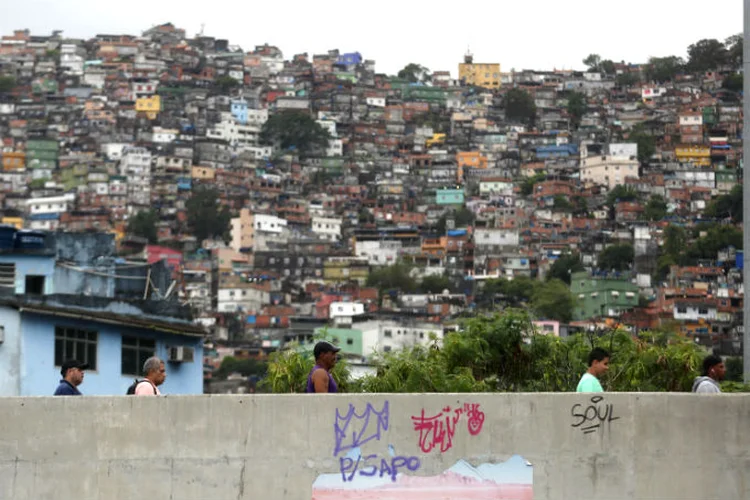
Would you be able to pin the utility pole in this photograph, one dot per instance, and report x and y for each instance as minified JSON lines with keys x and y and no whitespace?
{"x":746,"y":195}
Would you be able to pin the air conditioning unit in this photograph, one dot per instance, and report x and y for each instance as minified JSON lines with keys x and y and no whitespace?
{"x":181,"y":354}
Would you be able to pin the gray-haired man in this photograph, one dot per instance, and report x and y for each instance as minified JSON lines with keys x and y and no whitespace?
{"x":155,"y":373}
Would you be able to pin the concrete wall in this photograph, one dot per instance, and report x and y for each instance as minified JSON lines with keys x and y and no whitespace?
{"x":450,"y":446}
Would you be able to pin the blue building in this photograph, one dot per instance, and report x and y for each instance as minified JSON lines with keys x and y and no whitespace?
{"x":239,"y":111}
{"x":114,"y":338}
{"x":449,"y":196}
{"x":66,"y":297}
{"x":561,"y":151}
{"x":350,"y":59}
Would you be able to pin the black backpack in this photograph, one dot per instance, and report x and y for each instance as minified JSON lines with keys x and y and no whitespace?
{"x":131,"y":389}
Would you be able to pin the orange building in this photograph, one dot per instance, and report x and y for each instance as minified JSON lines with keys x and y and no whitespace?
{"x":14,"y":161}
{"x":469,"y":159}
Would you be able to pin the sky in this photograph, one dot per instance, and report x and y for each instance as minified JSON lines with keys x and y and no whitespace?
{"x":518,"y":34}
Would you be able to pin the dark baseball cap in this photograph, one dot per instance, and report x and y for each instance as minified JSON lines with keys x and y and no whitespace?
{"x":73,"y":363}
{"x":323,"y":347}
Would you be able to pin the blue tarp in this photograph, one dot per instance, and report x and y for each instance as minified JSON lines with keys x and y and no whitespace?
{"x":456,"y":232}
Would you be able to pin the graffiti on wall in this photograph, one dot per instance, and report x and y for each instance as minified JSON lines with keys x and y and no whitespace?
{"x":437,"y":431}
{"x":352,"y":429}
{"x":512,"y":479}
{"x":594,"y":416}
{"x":382,"y":472}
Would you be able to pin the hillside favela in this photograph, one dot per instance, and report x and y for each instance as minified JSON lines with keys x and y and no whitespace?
{"x":184,"y":216}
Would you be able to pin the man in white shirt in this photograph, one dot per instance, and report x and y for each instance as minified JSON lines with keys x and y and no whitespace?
{"x":155,"y":374}
{"x":713,"y":373}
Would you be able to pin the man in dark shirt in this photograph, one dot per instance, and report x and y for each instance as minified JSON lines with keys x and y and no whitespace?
{"x":320,"y":378}
{"x":72,"y":377}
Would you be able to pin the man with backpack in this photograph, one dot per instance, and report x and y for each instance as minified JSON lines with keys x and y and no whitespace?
{"x":155,"y":373}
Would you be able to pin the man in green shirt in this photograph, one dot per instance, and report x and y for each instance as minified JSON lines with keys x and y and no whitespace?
{"x":598,"y":366}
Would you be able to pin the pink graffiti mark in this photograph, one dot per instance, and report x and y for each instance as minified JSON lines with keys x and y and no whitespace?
{"x":438,"y":431}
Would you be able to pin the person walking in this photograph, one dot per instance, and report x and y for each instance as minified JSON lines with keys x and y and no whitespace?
{"x":320,"y":379}
{"x":598,"y":366}
{"x":72,"y":377}
{"x":155,"y":373}
{"x":713,"y":373}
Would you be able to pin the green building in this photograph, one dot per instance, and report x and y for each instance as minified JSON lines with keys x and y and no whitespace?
{"x":449,"y":196}
{"x":348,"y":339}
{"x":42,"y":153}
{"x":602,"y":296}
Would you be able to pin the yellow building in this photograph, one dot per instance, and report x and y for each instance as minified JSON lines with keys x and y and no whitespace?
{"x":486,"y":75}
{"x":699,"y":156}
{"x":345,"y":269}
{"x":203,"y":173}
{"x":243,"y":230}
{"x":435,"y":140}
{"x":17,"y":222}
{"x":149,"y":105}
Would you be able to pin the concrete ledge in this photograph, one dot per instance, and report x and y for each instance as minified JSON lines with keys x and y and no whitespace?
{"x":624,"y":446}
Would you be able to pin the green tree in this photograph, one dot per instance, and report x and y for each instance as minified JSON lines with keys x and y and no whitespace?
{"x":727,"y":206}
{"x":7,"y":83}
{"x":607,"y":67}
{"x":244,"y":367}
{"x":143,"y":224}
{"x":675,"y":239}
{"x":706,"y":55}
{"x":519,"y":290}
{"x":226,"y":83}
{"x":645,"y":141}
{"x":415,"y":73}
{"x":664,"y":69}
{"x":580,"y":206}
{"x":564,"y":266}
{"x":527,"y":185}
{"x":627,"y":79}
{"x":553,"y":300}
{"x":734,"y":369}
{"x":204,"y":216}
{"x":435,"y":284}
{"x":561,"y":204}
{"x":592,"y":62}
{"x":617,"y":257}
{"x":577,"y":107}
{"x":462,"y":217}
{"x":717,"y":237}
{"x":621,"y":193}
{"x":734,"y":46}
{"x":734,"y":82}
{"x":396,"y":277}
{"x":655,"y":209}
{"x":504,"y":353}
{"x":514,"y":293}
{"x":295,"y":130}
{"x":519,"y":106}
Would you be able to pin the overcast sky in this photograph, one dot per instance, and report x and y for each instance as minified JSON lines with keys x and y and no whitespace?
{"x":531,"y":34}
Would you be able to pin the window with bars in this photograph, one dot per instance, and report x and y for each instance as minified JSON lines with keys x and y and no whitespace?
{"x":135,"y":352}
{"x":74,"y":343}
{"x":8,"y":275}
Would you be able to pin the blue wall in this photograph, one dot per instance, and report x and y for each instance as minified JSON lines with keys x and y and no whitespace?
{"x":32,"y":264}
{"x":449,"y":196}
{"x":239,"y":111}
{"x":10,"y":352}
{"x":40,"y":376}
